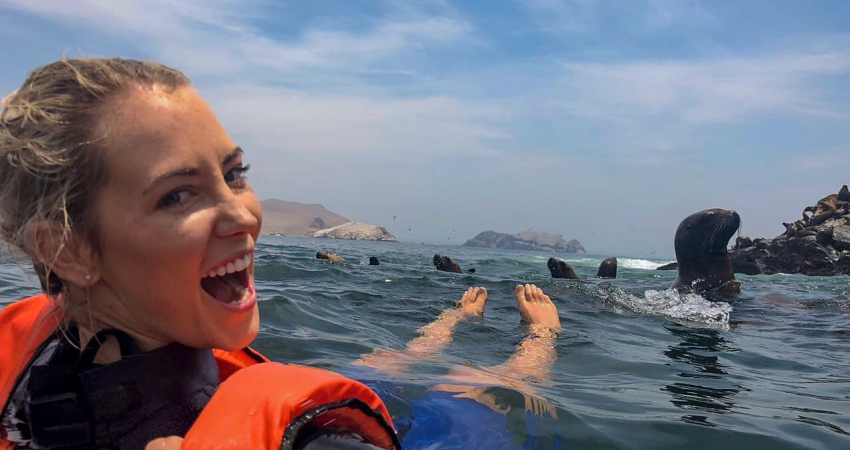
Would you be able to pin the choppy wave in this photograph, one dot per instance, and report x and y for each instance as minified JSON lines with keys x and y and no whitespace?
{"x":691,"y":308}
{"x":644,"y":264}
{"x":639,"y":365}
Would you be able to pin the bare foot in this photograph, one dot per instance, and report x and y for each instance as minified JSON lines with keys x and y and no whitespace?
{"x":537,"y":308}
{"x":473,"y":301}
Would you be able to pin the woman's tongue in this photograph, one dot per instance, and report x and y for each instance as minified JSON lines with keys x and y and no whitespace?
{"x":226,"y":289}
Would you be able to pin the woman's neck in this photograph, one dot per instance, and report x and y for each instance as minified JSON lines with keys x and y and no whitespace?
{"x":90,"y":318}
{"x":110,"y":350}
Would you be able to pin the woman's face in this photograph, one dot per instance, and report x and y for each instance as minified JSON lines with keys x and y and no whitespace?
{"x":177,"y":225}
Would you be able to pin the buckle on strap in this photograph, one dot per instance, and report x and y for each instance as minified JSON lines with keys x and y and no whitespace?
{"x":58,"y":421}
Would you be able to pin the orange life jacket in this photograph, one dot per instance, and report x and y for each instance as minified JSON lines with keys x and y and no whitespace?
{"x":275,"y":406}
{"x":255,"y":408}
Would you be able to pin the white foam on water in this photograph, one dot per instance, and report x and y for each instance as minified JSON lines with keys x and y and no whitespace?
{"x":671,"y":303}
{"x":644,"y":264}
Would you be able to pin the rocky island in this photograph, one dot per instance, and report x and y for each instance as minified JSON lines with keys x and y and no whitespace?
{"x":283,"y":218}
{"x":817,"y":244}
{"x":357,"y":231}
{"x":527,"y":240}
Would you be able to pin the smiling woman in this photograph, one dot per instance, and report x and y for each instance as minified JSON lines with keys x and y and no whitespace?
{"x":131,"y":200}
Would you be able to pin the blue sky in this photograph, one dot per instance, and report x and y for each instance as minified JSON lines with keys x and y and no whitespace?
{"x":606,"y":121}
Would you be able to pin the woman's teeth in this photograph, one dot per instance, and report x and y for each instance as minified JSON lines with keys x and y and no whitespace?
{"x":236,"y":265}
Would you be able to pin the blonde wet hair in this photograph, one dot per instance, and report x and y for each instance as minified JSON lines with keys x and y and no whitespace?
{"x":51,"y":142}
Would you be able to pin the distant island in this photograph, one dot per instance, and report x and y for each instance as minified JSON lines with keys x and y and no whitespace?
{"x":283,"y":218}
{"x":297,"y":219}
{"x":526,"y":240}
{"x":356,"y":231}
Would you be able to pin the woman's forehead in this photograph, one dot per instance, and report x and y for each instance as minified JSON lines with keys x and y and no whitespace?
{"x":155,"y":132}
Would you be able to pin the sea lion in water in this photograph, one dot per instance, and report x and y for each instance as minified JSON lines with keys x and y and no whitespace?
{"x":446,"y":264}
{"x":373,"y":261}
{"x":608,"y":268}
{"x":670,"y":266}
{"x":700,"y":243}
{"x":560,"y":269}
{"x":332,"y":257}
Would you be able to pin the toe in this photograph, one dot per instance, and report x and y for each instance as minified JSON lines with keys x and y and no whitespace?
{"x":482,"y":294}
{"x":535,"y":295}
{"x":519,"y":292}
{"x":466,"y":295}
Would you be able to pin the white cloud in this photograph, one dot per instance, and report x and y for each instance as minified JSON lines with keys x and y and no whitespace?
{"x":586,"y":16}
{"x":836,"y":160}
{"x":212,"y":36}
{"x":669,"y":13}
{"x":729,"y":90}
{"x":562,"y":16}
{"x":284,"y":122}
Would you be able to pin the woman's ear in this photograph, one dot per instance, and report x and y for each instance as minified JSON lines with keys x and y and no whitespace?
{"x":68,"y":255}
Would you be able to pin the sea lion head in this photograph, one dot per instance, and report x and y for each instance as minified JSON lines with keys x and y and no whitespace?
{"x":560,"y":269}
{"x":700,"y":243}
{"x":446,"y":264}
{"x":608,"y":268}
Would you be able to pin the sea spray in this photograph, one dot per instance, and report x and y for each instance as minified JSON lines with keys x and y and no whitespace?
{"x":687,"y":307}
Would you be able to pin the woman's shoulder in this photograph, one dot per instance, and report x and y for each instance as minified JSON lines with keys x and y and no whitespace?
{"x":25,"y":326}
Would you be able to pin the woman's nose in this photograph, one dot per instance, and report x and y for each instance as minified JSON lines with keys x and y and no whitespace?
{"x":235,"y":217}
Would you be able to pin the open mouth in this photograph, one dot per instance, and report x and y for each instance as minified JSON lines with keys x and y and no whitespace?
{"x":229,"y":283}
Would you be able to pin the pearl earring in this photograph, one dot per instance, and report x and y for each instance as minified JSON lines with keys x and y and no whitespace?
{"x":88,"y":277}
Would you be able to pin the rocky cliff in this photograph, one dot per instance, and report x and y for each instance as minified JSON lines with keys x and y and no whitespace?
{"x":527,"y":240}
{"x":817,"y":244}
{"x":357,"y":231}
{"x":297,"y":219}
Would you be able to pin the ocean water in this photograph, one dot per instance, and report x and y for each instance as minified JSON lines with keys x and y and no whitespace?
{"x":639,"y":366}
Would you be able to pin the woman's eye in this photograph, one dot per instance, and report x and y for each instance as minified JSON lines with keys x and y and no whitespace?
{"x":237,"y":175}
{"x":173,"y":198}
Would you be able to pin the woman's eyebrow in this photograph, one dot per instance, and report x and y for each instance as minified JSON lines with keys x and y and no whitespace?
{"x":189,"y":171}
{"x":185,"y":171}
{"x":232,"y":155}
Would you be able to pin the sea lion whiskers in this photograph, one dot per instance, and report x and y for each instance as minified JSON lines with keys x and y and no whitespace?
{"x":724,"y":223}
{"x":708,"y":244}
{"x":701,"y":250}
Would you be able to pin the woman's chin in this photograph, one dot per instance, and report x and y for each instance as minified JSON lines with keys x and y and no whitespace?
{"x":241,"y":338}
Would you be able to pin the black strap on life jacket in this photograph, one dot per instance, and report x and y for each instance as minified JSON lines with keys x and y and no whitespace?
{"x":74,"y":403}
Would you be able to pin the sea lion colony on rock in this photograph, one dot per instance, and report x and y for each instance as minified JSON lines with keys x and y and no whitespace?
{"x":835,"y":206}
{"x":817,"y":244}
